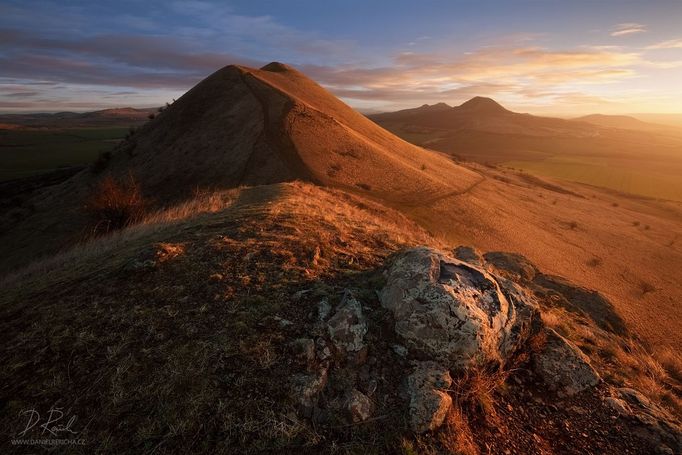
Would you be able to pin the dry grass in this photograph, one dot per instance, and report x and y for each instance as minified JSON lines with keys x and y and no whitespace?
{"x":189,"y":354}
{"x":456,"y":435}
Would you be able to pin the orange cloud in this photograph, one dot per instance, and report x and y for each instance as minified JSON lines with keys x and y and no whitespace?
{"x":670,"y":44}
{"x":628,"y":28}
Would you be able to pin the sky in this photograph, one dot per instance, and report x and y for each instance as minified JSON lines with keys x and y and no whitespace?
{"x":547,"y":57}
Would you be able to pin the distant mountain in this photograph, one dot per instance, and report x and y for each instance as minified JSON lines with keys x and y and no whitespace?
{"x":483,"y":130}
{"x":483,"y":114}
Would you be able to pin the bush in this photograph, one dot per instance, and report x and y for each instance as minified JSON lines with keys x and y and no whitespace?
{"x":115,"y":205}
{"x":101,"y":162}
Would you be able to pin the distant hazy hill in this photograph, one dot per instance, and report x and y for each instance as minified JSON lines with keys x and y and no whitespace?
{"x":483,"y":130}
{"x":620,"y":121}
{"x":126,"y":116}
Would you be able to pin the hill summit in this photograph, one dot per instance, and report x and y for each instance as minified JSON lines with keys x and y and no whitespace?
{"x":482,"y":104}
{"x":245,"y":126}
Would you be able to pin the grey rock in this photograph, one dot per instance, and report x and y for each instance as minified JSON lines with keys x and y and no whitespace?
{"x":306,"y":387}
{"x":283,"y":323}
{"x":513,"y":265}
{"x":359,"y":406}
{"x":429,"y":400}
{"x":400,"y":350}
{"x":323,"y":309}
{"x":653,"y":423}
{"x":453,"y":312}
{"x":348,"y":326}
{"x":563,"y":367}
{"x":322,"y":349}
{"x":468,"y":254}
{"x":619,"y":406}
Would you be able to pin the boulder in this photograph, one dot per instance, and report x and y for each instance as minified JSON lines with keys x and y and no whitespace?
{"x":429,"y":400}
{"x":453,"y":312}
{"x":348,"y":326}
{"x":563,"y":367}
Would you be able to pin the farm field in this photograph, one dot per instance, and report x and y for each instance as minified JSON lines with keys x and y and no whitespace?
{"x":640,"y":177}
{"x":30,"y":152}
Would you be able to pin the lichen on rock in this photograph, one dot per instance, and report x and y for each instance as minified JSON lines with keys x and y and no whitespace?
{"x":453,"y":312}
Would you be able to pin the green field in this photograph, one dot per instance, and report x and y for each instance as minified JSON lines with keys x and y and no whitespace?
{"x":29,"y":152}
{"x":641,"y":177}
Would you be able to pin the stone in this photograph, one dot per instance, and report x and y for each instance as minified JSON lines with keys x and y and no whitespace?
{"x":348,"y":326}
{"x":563,"y":367}
{"x":455,"y":313}
{"x":323,"y":309}
{"x":322,"y":349}
{"x":399,"y":350}
{"x":653,"y":423}
{"x":429,"y":401}
{"x":359,"y":406}
{"x":307,"y":387}
{"x":468,"y":254}
{"x":619,"y":406}
{"x":513,"y":265}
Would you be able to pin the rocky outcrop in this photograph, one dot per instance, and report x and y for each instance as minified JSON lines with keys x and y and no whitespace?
{"x":455,"y":313}
{"x":652,"y":422}
{"x":440,"y":318}
{"x":563,"y":367}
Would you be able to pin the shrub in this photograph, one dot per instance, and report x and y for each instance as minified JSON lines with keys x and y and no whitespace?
{"x":645,"y":287}
{"x":594,"y":262}
{"x":151,"y":116}
{"x":114,"y":205}
{"x":101,"y":162}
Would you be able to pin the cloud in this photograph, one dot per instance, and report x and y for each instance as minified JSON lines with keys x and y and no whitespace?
{"x":628,"y":28}
{"x":491,"y":71}
{"x":670,"y":44}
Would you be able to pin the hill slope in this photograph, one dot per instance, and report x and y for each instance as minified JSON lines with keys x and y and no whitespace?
{"x":240,"y":126}
{"x":193,"y":332}
{"x":247,"y":126}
